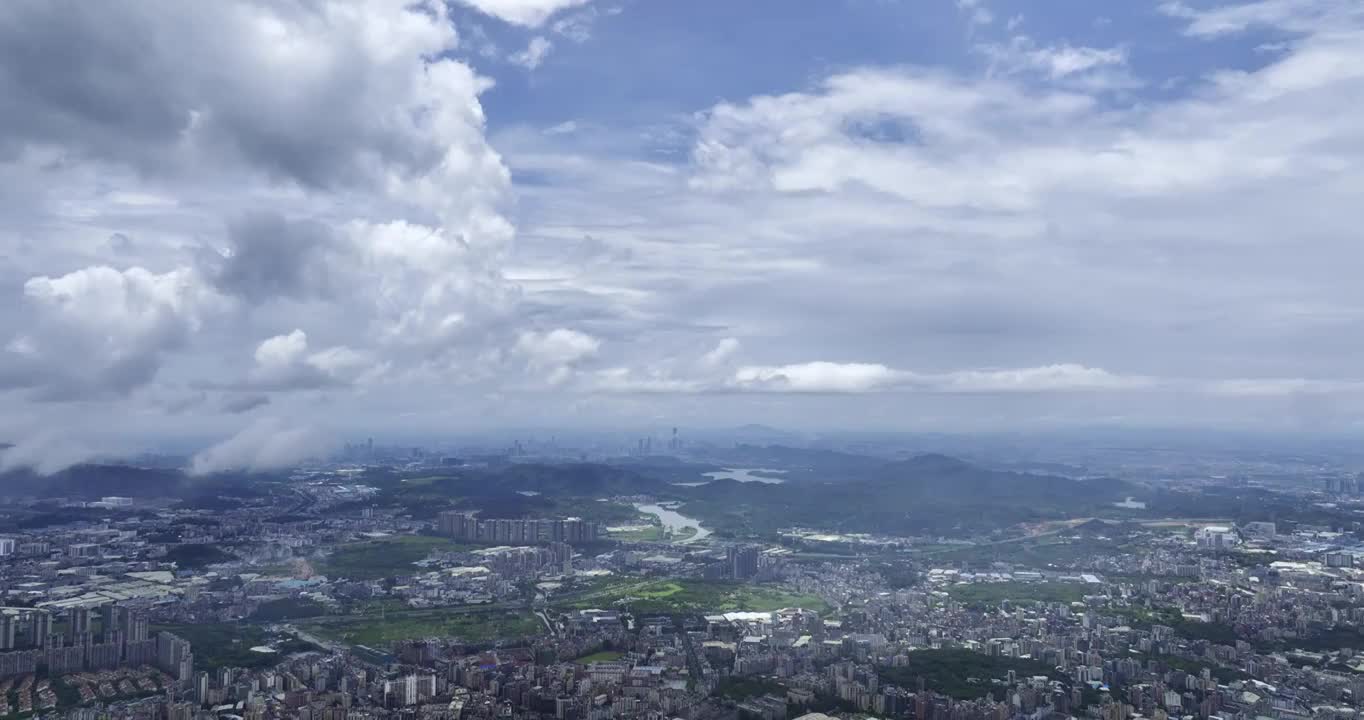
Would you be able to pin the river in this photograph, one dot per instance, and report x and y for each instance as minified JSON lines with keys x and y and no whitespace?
{"x":675,"y":520}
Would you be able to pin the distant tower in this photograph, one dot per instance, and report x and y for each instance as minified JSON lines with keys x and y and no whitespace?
{"x":369,"y":447}
{"x":675,"y":444}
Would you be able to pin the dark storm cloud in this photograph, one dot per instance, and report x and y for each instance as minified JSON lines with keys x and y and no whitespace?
{"x":108,"y":92}
{"x":164,"y":85}
{"x":272,"y":256}
{"x":245,"y":403}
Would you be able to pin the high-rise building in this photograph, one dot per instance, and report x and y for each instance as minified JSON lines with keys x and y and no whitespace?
{"x":9,"y":631}
{"x":173,"y":656}
{"x":467,"y":526}
{"x":563,"y":556}
{"x":201,"y":687}
{"x":134,"y":626}
{"x":112,"y":622}
{"x":40,"y":629}
{"x":743,"y":561}
{"x":78,"y":621}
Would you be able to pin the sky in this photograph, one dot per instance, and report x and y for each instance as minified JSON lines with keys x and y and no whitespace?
{"x":273,"y":224}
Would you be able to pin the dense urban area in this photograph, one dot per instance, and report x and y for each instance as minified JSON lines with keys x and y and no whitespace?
{"x":679,"y":580}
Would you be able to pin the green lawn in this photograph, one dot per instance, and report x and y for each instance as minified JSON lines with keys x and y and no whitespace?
{"x":651,"y":533}
{"x":1018,"y":592}
{"x":196,"y":556}
{"x":382,"y":632}
{"x":218,"y":645}
{"x":385,"y":557}
{"x":1048,"y":552}
{"x":963,"y":674}
{"x":743,"y":688}
{"x":604,"y":656}
{"x":288,"y":609}
{"x":688,"y":595}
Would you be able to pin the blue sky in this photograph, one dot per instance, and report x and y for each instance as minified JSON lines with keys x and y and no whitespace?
{"x":280,"y":224}
{"x":648,"y":62}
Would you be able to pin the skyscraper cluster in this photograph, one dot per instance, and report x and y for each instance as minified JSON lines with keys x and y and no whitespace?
{"x":467,"y":526}
{"x":28,"y":642}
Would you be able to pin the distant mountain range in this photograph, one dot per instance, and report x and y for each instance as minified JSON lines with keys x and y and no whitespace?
{"x":93,"y":481}
{"x":827,"y":489}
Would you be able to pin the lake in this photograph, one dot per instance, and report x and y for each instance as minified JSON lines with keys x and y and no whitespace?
{"x":746,"y":475}
{"x":674,"y":520}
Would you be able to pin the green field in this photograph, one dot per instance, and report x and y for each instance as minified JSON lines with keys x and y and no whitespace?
{"x":381,"y":632}
{"x":385,"y":557}
{"x":652,"y":533}
{"x":604,"y":656}
{"x":1019,"y":592}
{"x":743,"y":688}
{"x":962,"y":674}
{"x":218,"y":645}
{"x":288,"y":609}
{"x":692,"y":596}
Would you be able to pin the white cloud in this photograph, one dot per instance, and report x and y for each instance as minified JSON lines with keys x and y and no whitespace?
{"x":100,"y":330}
{"x":376,"y":219}
{"x":976,"y":12}
{"x":557,"y":347}
{"x":831,"y":377}
{"x":818,"y":377}
{"x":955,"y":231}
{"x":46,"y":452}
{"x":530,"y":13}
{"x":721,"y":353}
{"x":1292,"y":15}
{"x":534,"y":54}
{"x":1281,"y":387}
{"x":283,"y":362}
{"x":1065,"y":377}
{"x":1065,"y":60}
{"x":267,"y":444}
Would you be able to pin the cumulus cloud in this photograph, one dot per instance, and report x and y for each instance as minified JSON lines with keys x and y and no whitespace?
{"x":530,"y":13}
{"x":556,"y":351}
{"x":560,"y":346}
{"x":99,"y":330}
{"x":316,"y":175}
{"x":283,"y":362}
{"x":320,"y":93}
{"x":267,"y":444}
{"x":328,"y":160}
{"x":721,"y":353}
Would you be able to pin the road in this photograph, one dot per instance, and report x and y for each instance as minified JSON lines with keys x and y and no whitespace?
{"x":549,"y":625}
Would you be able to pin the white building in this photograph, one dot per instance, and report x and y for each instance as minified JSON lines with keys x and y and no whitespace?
{"x":1216,"y":537}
